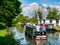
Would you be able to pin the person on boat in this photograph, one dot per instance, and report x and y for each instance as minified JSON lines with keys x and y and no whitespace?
{"x":44,"y":30}
{"x":37,"y":29}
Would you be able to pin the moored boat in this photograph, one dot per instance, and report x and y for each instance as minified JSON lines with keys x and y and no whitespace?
{"x":41,"y":37}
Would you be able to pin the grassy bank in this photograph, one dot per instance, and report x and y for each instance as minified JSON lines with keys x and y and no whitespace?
{"x":6,"y":38}
{"x":57,"y":28}
{"x":3,"y":32}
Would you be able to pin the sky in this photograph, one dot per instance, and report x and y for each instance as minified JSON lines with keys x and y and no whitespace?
{"x":48,"y":2}
{"x":27,"y":5}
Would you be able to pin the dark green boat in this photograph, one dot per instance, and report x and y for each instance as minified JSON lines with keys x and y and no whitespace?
{"x":30,"y":31}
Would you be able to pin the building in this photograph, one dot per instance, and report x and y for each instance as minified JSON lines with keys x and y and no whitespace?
{"x":50,"y":21}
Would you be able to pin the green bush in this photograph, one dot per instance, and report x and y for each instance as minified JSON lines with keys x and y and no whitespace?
{"x":1,"y":26}
{"x":8,"y":40}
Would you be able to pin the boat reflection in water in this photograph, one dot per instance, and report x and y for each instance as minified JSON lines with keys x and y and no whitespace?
{"x":41,"y":40}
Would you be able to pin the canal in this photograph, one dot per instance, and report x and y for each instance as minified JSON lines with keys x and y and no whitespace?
{"x":53,"y":38}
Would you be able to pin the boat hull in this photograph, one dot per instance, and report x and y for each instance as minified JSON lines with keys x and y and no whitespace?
{"x":43,"y":37}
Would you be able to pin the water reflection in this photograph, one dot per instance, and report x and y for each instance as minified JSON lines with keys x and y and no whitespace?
{"x":52,"y":38}
{"x":40,"y":42}
{"x":35,"y":41}
{"x":19,"y":36}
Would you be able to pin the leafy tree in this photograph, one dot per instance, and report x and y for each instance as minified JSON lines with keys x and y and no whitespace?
{"x":52,"y":13}
{"x":26,"y":19}
{"x":48,"y":9}
{"x":40,"y":14}
{"x":9,"y":9}
{"x":21,"y":18}
{"x":58,"y":16}
{"x":33,"y":19}
{"x":8,"y":40}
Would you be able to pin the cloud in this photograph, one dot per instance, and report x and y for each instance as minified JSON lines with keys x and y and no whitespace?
{"x":27,"y":11}
{"x":45,"y":5}
{"x":24,"y":4}
{"x":55,"y":6}
{"x":30,"y":9}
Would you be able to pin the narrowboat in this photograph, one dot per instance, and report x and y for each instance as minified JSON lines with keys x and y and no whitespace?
{"x":30,"y":31}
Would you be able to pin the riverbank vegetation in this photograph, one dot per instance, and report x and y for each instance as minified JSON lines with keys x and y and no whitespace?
{"x":19,"y":26}
{"x":9,"y":10}
{"x":3,"y":32}
{"x":57,"y":28}
{"x":8,"y":40}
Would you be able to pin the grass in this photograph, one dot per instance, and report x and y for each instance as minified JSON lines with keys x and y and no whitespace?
{"x":3,"y":33}
{"x":57,"y":28}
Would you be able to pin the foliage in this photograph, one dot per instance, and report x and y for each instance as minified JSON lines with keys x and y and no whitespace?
{"x":8,"y":40}
{"x":2,"y":26}
{"x":57,"y":28}
{"x":58,"y":16}
{"x":21,"y":18}
{"x":40,"y":14}
{"x":48,"y":9}
{"x":52,"y":13}
{"x":9,"y":9}
{"x":26,"y":19}
{"x":3,"y":32}
{"x":19,"y":26}
{"x":33,"y":19}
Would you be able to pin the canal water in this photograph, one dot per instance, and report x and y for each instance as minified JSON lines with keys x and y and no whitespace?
{"x":53,"y":38}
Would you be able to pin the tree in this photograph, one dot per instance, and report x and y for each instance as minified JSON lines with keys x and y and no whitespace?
{"x":9,"y":9}
{"x":40,"y":14}
{"x":21,"y":18}
{"x":52,"y":13}
{"x":58,"y":16}
{"x":26,"y":19}
{"x":48,"y":9}
{"x":8,"y":40}
{"x":33,"y":19}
